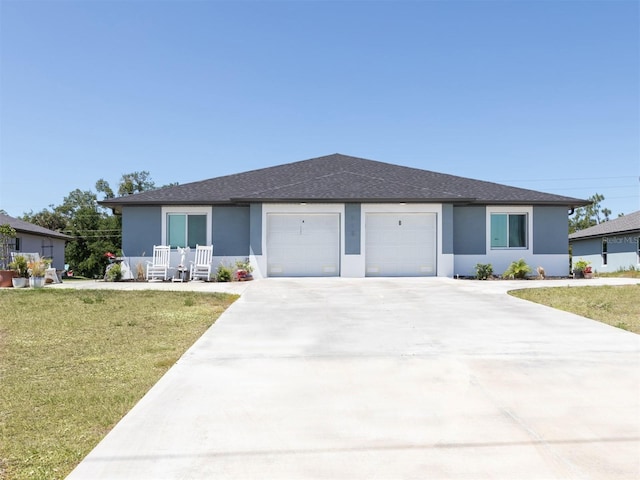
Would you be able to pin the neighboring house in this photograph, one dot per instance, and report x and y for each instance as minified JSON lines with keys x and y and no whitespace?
{"x":344,"y":216}
{"x":609,"y":246}
{"x":31,"y":238}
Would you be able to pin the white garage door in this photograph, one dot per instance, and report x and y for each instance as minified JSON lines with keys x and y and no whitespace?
{"x":303,"y":245}
{"x":400,"y":244}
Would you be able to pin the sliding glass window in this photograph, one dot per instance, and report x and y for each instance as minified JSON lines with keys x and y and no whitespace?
{"x":186,"y":230}
{"x":508,"y":230}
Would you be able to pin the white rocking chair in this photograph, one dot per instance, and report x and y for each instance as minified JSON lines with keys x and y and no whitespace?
{"x":201,"y":265}
{"x":158,"y":269}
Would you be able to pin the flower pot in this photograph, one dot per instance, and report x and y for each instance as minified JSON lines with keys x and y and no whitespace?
{"x":36,"y":282}
{"x":19,"y":282}
{"x":5,"y":278}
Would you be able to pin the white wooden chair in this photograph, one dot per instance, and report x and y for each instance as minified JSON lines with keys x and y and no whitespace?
{"x":158,"y":269}
{"x":201,"y":265}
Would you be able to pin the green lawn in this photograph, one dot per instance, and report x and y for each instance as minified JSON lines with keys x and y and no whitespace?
{"x":618,"y":306}
{"x":73,"y":362}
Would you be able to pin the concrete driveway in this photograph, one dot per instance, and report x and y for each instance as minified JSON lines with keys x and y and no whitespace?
{"x":387,"y":379}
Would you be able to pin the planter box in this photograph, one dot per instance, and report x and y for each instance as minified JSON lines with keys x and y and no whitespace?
{"x":19,"y":282}
{"x":5,"y":277}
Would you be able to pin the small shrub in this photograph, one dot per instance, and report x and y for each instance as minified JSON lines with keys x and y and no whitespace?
{"x":140,"y":272}
{"x":114,"y":273}
{"x":581,"y":265}
{"x":483,"y":271}
{"x":244,"y":265}
{"x":223,"y":274}
{"x":518,"y":269}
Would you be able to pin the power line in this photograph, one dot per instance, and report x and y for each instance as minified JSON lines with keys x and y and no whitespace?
{"x":568,"y":178}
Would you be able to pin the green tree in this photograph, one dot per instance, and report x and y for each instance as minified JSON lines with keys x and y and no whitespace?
{"x":135,"y":182}
{"x":95,"y":230}
{"x":103,"y":187}
{"x":589,"y":215}
{"x":46,"y":218}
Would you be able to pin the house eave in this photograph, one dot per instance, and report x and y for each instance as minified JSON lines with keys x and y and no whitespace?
{"x":591,"y":236}
{"x":347,"y":200}
{"x":117,"y":206}
{"x":58,"y":236}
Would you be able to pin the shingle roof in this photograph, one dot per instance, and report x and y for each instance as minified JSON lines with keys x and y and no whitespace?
{"x":626,"y":223}
{"x":338,"y":178}
{"x":26,"y":227}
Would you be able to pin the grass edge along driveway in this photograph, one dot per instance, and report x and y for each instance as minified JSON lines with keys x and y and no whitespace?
{"x":74,"y":362}
{"x":617,"y":306}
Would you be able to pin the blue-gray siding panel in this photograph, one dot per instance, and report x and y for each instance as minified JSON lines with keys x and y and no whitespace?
{"x":469,"y":230}
{"x":230,"y":234}
{"x":447,"y":229}
{"x":590,"y":246}
{"x":352,"y":220}
{"x":623,"y":243}
{"x":141,"y":230}
{"x":255,"y":228}
{"x":550,"y":230}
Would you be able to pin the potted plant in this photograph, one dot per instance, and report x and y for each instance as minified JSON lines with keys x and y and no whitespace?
{"x":7,"y":234}
{"x":36,"y":273}
{"x":579,"y":268}
{"x":21,"y":268}
{"x":243,"y":270}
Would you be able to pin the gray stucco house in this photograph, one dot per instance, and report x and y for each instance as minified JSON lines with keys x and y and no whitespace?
{"x":32,"y":238}
{"x":339,"y":215}
{"x":609,"y":246}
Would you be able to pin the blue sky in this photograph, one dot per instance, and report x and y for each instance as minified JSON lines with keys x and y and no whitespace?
{"x":536,"y":94}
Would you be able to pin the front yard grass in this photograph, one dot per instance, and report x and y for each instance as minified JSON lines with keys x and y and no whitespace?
{"x":73,"y":363}
{"x":618,"y":306}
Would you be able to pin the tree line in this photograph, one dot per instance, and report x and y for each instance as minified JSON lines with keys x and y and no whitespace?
{"x":95,"y":230}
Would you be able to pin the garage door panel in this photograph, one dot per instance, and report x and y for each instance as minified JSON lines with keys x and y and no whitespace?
{"x":303,"y":244}
{"x":400,"y":244}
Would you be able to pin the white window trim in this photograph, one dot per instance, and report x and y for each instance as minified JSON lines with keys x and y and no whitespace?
{"x":187,"y":210}
{"x":528,"y":210}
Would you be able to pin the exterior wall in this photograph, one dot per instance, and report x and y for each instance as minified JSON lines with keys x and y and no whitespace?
{"x":472,"y":242}
{"x":143,"y":227}
{"x":352,"y":221}
{"x":622,"y":252}
{"x":588,"y":249}
{"x":446,"y":264}
{"x":447,"y":229}
{"x":231,"y":227}
{"x":462,"y":235}
{"x":550,"y":230}
{"x":141,"y":230}
{"x":44,"y":246}
{"x":469,"y":230}
{"x":255,"y":229}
